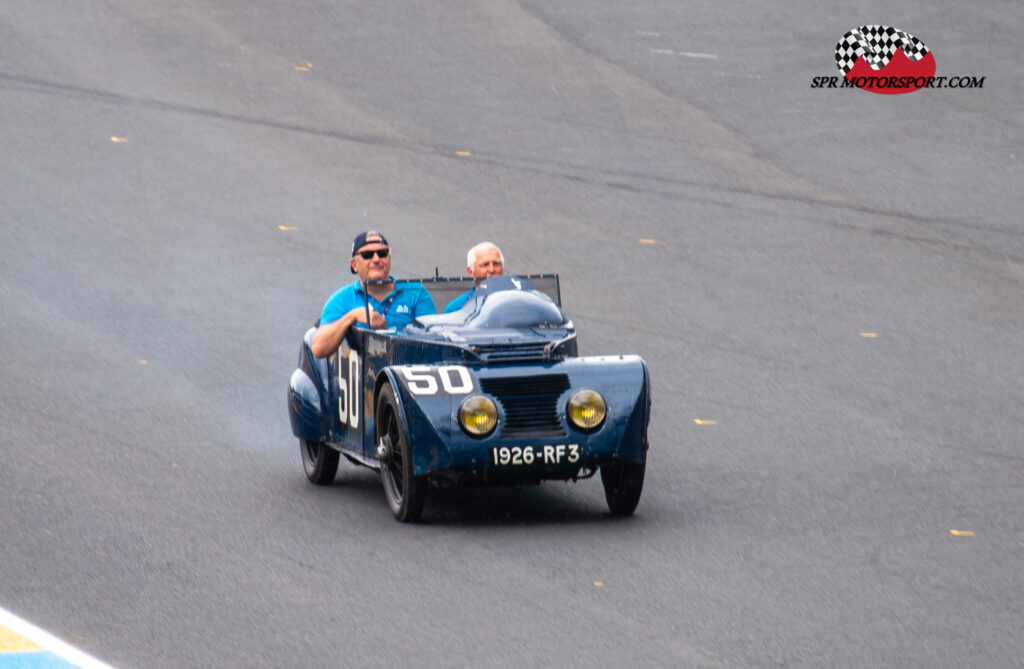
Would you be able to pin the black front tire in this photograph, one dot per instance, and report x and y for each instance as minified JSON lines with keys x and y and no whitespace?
{"x":623,"y":482}
{"x":319,"y":460}
{"x":404,"y":490}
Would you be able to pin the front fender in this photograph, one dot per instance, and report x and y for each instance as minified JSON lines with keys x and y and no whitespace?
{"x":634,"y":439}
{"x":426,"y":423}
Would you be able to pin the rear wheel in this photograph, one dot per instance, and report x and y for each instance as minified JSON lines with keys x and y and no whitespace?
{"x":405,"y":491}
{"x":319,"y":460}
{"x":623,"y":482}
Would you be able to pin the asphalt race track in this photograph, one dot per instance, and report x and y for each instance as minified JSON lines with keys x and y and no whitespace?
{"x":828,"y":286}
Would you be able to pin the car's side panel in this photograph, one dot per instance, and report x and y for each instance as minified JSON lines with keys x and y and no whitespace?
{"x":346,"y":396}
{"x":363,"y":361}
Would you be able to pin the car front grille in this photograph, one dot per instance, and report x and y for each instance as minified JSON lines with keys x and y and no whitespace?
{"x":532,"y":352}
{"x":530,"y":404}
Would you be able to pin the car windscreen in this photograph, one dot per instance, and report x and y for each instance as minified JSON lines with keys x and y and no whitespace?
{"x":444,"y":289}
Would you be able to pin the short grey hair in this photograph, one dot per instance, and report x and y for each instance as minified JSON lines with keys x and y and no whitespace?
{"x":482,"y":246}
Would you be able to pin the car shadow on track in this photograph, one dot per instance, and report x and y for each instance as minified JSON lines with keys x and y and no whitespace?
{"x":548,"y":503}
{"x":553,"y":502}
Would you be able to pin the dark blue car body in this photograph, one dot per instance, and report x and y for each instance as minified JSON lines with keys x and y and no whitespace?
{"x":391,"y":400}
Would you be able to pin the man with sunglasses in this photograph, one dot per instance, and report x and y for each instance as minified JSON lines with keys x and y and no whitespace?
{"x":483,"y":260}
{"x":391,"y":305}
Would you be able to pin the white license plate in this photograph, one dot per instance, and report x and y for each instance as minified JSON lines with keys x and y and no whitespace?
{"x":551,"y":454}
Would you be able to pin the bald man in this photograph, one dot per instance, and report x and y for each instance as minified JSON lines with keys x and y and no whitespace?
{"x":482,"y":261}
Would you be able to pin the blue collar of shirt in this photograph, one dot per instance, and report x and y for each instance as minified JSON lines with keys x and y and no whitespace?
{"x":394,"y":281}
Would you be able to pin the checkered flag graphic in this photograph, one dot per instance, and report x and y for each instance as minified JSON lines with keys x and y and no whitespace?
{"x":877,"y":44}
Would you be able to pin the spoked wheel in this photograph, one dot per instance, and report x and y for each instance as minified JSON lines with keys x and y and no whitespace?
{"x":319,"y":460}
{"x":404,"y":490}
{"x":623,"y":482}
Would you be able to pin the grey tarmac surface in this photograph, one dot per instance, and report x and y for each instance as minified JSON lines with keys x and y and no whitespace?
{"x":154,"y":289}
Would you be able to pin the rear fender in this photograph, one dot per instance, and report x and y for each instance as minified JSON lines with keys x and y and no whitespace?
{"x":307,"y":397}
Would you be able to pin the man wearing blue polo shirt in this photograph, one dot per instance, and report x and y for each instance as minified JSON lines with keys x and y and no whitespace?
{"x":483,"y":260}
{"x":391,"y":305}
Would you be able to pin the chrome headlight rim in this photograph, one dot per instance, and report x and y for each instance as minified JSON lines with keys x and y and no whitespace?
{"x":582,"y":397}
{"x":482,"y":402}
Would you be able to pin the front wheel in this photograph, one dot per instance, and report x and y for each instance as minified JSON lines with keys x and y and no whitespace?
{"x":319,"y":460}
{"x":405,"y":491}
{"x":623,"y":482}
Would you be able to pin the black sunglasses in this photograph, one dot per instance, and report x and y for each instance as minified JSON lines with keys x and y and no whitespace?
{"x":382,"y":253}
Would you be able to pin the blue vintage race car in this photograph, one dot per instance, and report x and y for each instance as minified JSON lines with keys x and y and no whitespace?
{"x":493,"y":394}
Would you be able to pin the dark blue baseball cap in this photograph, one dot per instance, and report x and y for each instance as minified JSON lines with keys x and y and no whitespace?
{"x":360,"y":241}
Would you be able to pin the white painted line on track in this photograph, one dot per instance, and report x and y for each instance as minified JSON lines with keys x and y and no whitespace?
{"x":685,"y":54}
{"x":51,"y":643}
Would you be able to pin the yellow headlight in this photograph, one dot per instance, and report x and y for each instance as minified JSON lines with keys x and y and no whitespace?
{"x":478,"y":415}
{"x":587,"y":409}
